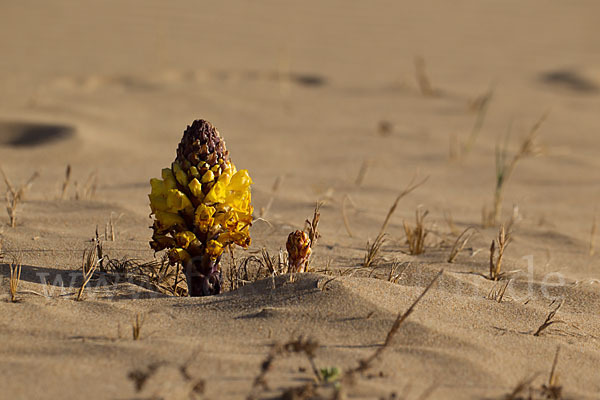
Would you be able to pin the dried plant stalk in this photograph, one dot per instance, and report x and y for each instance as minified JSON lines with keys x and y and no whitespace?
{"x":362,"y":172}
{"x":345,"y":216}
{"x":15,"y":277}
{"x":498,"y":290}
{"x":496,"y":262}
{"x":88,"y":267}
{"x":549,"y":320}
{"x":372,"y":255}
{"x":136,"y":327}
{"x":423,"y":79}
{"x":415,"y":237}
{"x":460,"y":243}
{"x":66,"y":182}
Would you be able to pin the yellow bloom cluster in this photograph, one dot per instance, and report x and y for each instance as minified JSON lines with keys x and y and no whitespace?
{"x":198,"y":213}
{"x":201,"y":205}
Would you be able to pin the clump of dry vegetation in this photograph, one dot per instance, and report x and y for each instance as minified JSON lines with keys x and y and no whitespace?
{"x":506,"y":168}
{"x":500,"y":245}
{"x":15,"y":277}
{"x":498,"y":290}
{"x":15,"y":195}
{"x":415,"y":236}
{"x":460,"y":243}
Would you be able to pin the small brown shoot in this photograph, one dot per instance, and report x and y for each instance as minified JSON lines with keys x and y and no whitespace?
{"x":415,"y":236}
{"x":460,"y":243}
{"x":14,"y":196}
{"x":136,"y":326}
{"x":500,"y":244}
{"x":550,"y":320}
{"x":89,"y":264}
{"x":15,"y":277}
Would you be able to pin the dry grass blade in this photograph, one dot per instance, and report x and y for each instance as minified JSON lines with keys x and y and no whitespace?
{"x":397,"y":270}
{"x":362,"y":172}
{"x":496,"y":262}
{"x":549,"y":320}
{"x":345,"y":216}
{"x":366,"y":363}
{"x":592,"y":248}
{"x":372,"y":255}
{"x":312,"y":227}
{"x":276,"y":185}
{"x":498,"y":290}
{"x":136,"y":326}
{"x":66,"y":182}
{"x":553,"y":390}
{"x":415,"y":237}
{"x":460,"y":243}
{"x":481,"y":104}
{"x":411,"y":186}
{"x":15,"y":278}
{"x":88,"y":266}
{"x":14,"y":196}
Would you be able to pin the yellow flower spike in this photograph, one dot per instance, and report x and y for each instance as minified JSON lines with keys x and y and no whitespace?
{"x":201,"y":206}
{"x":178,"y":255}
{"x":209,"y":176}
{"x":214,"y":249}
{"x":169,"y":179}
{"x":167,"y":220}
{"x":177,"y":201}
{"x":183,"y":239}
{"x":203,"y":217}
{"x":196,"y":189}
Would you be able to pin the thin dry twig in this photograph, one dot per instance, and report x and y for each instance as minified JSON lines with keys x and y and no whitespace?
{"x":423,"y":79}
{"x":550,"y":320}
{"x":498,"y":290}
{"x":362,"y":172}
{"x":411,"y":186}
{"x":460,"y":243}
{"x":366,"y":363}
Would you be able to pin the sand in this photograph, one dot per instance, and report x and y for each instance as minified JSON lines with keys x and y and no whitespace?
{"x":300,"y":93}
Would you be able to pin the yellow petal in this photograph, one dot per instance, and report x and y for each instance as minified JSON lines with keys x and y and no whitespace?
{"x":158,"y":202}
{"x":209,"y":176}
{"x":177,"y":201}
{"x":203,"y":218}
{"x":167,"y":220}
{"x":177,"y":255}
{"x":194,"y":171}
{"x":214,"y":249}
{"x":169,"y":178}
{"x":196,"y":189}
{"x":240,"y":181}
{"x":184,"y":239}
{"x":158,"y":186}
{"x":217,"y":193}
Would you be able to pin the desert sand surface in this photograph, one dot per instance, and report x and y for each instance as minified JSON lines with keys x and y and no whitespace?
{"x":340,"y":102}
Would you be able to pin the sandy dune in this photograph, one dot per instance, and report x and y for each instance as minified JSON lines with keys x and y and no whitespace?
{"x":306,"y":93}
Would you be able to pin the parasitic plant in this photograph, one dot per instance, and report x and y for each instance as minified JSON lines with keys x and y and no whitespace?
{"x":201,"y":206}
